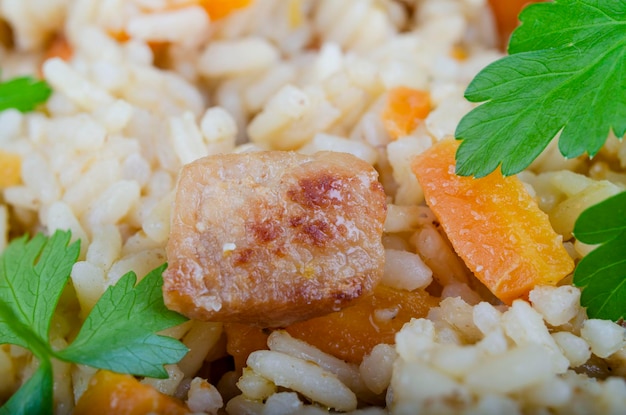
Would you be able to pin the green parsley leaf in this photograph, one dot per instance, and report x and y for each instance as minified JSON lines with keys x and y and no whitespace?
{"x":566,"y":73}
{"x":32,"y":276}
{"x":23,"y":93}
{"x":119,"y":334}
{"x":35,"y":396}
{"x":602,"y":272}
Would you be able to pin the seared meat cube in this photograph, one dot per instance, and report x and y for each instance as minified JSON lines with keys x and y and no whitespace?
{"x":270,"y":238}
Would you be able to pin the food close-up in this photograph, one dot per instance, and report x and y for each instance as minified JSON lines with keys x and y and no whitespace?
{"x":279,"y":207}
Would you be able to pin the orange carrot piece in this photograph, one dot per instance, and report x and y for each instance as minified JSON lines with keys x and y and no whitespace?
{"x":459,"y":53}
{"x":217,"y":9}
{"x":353,"y":332}
{"x":10,"y":169}
{"x":494,"y":225}
{"x":348,"y":334}
{"x":243,"y":339}
{"x":405,"y":109}
{"x":59,"y":48}
{"x":505,"y":13}
{"x":119,"y":35}
{"x":111,"y":393}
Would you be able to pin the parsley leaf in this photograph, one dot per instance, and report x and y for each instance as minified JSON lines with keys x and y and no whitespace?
{"x":602,"y":272}
{"x":23,"y":93}
{"x":35,"y":396}
{"x":32,"y":276}
{"x":122,"y":324}
{"x":566,"y":72}
{"x":119,"y":333}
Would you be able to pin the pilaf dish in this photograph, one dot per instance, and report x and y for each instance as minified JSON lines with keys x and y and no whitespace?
{"x":282,"y":172}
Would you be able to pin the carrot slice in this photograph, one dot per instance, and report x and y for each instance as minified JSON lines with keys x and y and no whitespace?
{"x":59,"y":48}
{"x":348,"y":334}
{"x":459,"y":53}
{"x":217,"y":9}
{"x":353,"y":332}
{"x":404,"y":110}
{"x":243,"y":339}
{"x":10,"y":169}
{"x":111,"y":393}
{"x":119,"y":35}
{"x":494,"y":225}
{"x":505,"y":13}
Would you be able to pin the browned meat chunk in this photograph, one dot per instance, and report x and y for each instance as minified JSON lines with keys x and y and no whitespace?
{"x":270,"y":238}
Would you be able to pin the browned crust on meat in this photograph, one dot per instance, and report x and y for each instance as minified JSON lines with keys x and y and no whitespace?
{"x":270,"y":238}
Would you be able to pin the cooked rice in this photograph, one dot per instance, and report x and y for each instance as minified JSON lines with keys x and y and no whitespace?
{"x":102,"y":161}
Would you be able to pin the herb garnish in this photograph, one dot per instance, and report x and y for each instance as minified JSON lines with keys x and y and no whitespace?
{"x":602,"y":272}
{"x":566,"y":71}
{"x":23,"y":93}
{"x":119,"y":334}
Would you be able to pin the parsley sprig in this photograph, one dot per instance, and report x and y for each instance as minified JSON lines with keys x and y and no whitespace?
{"x":565,"y":73}
{"x":119,"y":334}
{"x":23,"y":93}
{"x":602,"y":272}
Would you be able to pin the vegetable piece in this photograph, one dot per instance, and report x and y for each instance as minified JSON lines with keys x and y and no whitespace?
{"x":33,"y":274}
{"x":566,"y":73}
{"x":10,"y":169}
{"x":110,"y":393}
{"x":348,"y":334}
{"x":123,"y":324}
{"x":505,"y":14}
{"x":28,"y":270}
{"x":353,"y":332}
{"x":602,"y":273}
{"x":34,"y":396}
{"x":493,"y":224}
{"x":404,"y":110}
{"x":459,"y":53}
{"x":23,"y":93}
{"x":59,"y":48}
{"x":243,"y":339}
{"x":218,"y":9}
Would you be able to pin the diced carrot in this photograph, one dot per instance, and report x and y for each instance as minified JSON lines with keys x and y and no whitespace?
{"x":243,"y":339}
{"x":505,"y":13}
{"x":494,"y":225}
{"x":120,"y":35}
{"x":59,"y":48}
{"x":404,"y":110}
{"x":217,"y":9}
{"x":111,"y":393}
{"x":10,"y":169}
{"x":353,"y":332}
{"x":348,"y":334}
{"x":459,"y":53}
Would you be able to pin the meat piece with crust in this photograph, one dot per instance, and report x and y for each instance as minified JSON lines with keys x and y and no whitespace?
{"x":270,"y":238}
